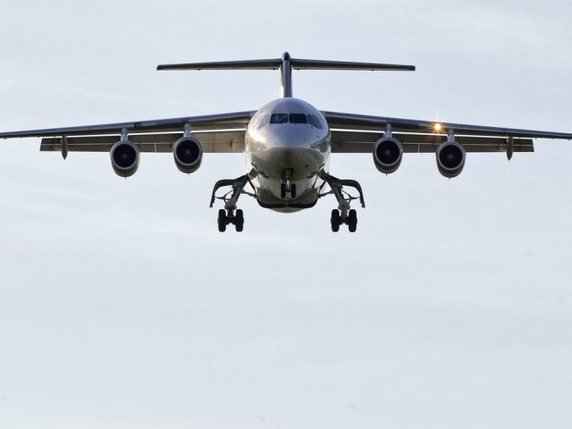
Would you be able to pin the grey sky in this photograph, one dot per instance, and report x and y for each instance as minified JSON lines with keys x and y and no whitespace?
{"x":121,"y":306}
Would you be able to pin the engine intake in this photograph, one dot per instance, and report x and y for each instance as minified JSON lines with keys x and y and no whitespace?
{"x":188,"y":154}
{"x":125,"y":158}
{"x":450,"y":158}
{"x":387,"y":154}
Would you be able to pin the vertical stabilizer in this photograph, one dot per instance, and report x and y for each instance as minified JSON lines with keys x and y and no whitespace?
{"x":286,"y":71}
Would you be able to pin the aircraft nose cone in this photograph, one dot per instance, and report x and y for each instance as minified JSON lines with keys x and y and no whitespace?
{"x":292,"y":137}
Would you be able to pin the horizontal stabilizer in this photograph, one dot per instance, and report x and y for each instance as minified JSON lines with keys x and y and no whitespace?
{"x":295,"y":63}
{"x":299,"y":64}
{"x":272,"y":64}
{"x":286,"y":64}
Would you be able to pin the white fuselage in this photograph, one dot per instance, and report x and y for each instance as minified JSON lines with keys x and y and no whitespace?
{"x":287,"y":142}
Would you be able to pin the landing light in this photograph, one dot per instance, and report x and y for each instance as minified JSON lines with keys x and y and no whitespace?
{"x":438,"y":127}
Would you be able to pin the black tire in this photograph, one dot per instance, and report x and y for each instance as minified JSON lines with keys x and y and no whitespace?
{"x":293,"y":190}
{"x":335,"y":220}
{"x":352,"y":220}
{"x":222,"y":220}
{"x":283,"y":191}
{"x":239,"y":220}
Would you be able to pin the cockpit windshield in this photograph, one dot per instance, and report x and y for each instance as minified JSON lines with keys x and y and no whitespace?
{"x":298,"y":118}
{"x":294,"y":118}
{"x":279,"y":118}
{"x":315,"y":122}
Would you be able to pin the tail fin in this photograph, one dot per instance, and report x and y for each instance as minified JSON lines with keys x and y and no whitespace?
{"x":286,"y":64}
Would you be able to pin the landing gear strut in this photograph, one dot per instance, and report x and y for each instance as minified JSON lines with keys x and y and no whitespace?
{"x":344,"y":214}
{"x":230,"y":214}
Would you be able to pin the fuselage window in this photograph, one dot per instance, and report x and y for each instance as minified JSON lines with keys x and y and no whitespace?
{"x":315,"y":122}
{"x":298,"y":118}
{"x":279,"y":118}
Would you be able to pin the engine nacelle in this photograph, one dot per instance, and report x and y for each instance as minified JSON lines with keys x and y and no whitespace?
{"x":124,"y":158}
{"x":387,"y":154}
{"x":188,"y":154}
{"x":450,"y":158}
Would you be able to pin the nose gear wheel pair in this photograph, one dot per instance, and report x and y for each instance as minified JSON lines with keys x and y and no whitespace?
{"x":287,"y":187}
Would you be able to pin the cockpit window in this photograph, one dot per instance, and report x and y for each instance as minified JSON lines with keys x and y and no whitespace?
{"x":279,"y":118}
{"x":315,"y":122}
{"x":293,"y":118}
{"x":263,"y":121}
{"x":298,"y":118}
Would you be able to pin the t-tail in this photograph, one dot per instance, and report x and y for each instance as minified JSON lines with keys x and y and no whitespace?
{"x":286,"y":64}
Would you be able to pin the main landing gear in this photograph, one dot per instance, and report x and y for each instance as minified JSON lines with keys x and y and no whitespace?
{"x":343,"y":214}
{"x":230,"y":214}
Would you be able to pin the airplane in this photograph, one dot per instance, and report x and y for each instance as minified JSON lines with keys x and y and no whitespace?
{"x":287,"y":143}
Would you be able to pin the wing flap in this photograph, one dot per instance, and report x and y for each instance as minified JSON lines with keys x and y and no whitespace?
{"x":362,"y":142}
{"x":212,"y":142}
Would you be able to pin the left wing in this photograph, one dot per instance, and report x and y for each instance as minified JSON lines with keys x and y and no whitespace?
{"x":217,"y":133}
{"x":358,"y":133}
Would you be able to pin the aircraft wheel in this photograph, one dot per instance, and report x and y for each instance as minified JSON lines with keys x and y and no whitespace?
{"x":239,"y":220}
{"x":352,"y":220}
{"x":293,"y":190}
{"x":222,"y":220}
{"x":335,"y":220}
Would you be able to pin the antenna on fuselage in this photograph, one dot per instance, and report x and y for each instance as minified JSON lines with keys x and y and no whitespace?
{"x":286,"y":64}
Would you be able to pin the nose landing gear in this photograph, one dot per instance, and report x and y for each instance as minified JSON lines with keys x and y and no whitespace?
{"x":287,"y":187}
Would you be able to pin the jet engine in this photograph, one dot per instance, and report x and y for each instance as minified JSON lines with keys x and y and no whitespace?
{"x":387,"y":154}
{"x":124,"y":158}
{"x":450,"y":158}
{"x":188,"y":154}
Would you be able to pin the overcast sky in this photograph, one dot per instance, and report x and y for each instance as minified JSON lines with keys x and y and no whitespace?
{"x":122,"y":306}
